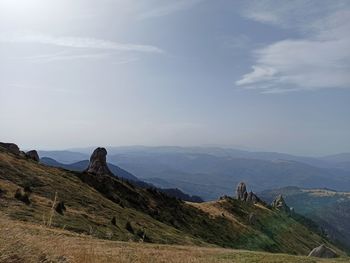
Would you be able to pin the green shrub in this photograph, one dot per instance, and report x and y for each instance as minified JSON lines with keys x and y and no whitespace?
{"x":114,"y":221}
{"x":22,"y":196}
{"x":60,"y":208}
{"x":129,"y":227}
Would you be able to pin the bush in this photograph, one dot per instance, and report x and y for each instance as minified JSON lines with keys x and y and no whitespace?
{"x":60,"y":208}
{"x":128,"y":227}
{"x":28,"y":189}
{"x":114,"y":221}
{"x":22,"y":196}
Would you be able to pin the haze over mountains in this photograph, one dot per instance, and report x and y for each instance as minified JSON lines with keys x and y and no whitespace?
{"x":210,"y":172}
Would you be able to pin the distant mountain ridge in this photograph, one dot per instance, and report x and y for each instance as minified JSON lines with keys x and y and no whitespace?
{"x":323,"y":161}
{"x":209,"y":172}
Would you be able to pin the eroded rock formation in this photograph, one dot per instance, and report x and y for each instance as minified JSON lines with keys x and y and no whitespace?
{"x":280,"y":204}
{"x":33,"y":154}
{"x":241,"y":191}
{"x":98,"y":164}
{"x":252,"y":198}
{"x":243,"y":195}
{"x":11,"y":147}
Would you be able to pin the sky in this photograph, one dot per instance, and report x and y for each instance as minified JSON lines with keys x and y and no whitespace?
{"x":257,"y":75}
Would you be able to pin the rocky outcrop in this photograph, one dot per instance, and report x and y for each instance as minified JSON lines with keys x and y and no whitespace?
{"x":280,"y":204}
{"x":323,"y":252}
{"x":98,"y":164}
{"x":33,"y":154}
{"x":252,"y":198}
{"x":11,"y":147}
{"x":241,"y":191}
{"x":243,"y":195}
{"x":252,"y":219}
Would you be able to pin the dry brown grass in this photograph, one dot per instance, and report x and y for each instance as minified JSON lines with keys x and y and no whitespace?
{"x":215,"y":210}
{"x":29,"y":243}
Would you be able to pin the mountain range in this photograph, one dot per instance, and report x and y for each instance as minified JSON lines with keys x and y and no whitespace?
{"x":210,"y":172}
{"x":97,"y":204}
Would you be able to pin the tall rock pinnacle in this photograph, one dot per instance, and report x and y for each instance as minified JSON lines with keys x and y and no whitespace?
{"x":241,"y":191}
{"x":243,"y":195}
{"x":98,"y":163}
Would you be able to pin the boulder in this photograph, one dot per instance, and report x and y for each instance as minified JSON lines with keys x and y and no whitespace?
{"x":252,"y":219}
{"x":98,"y":164}
{"x":33,"y":154}
{"x":11,"y":147}
{"x":241,"y":191}
{"x":280,"y":204}
{"x":323,"y":252}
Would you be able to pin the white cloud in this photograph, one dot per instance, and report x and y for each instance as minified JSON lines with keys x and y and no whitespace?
{"x":77,"y":42}
{"x":319,"y":60}
{"x":169,"y":7}
{"x":62,"y":56}
{"x":296,"y":13}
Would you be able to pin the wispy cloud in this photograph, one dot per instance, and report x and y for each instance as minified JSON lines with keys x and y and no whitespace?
{"x":77,"y":42}
{"x":321,"y":59}
{"x":62,"y":56}
{"x":167,"y":7}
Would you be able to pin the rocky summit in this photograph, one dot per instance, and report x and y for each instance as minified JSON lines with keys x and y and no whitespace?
{"x":241,"y":191}
{"x":243,"y":195}
{"x":98,"y":164}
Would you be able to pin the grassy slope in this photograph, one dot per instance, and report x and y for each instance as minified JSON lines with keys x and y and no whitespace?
{"x":29,"y":243}
{"x":330,"y":209}
{"x":164,"y":219}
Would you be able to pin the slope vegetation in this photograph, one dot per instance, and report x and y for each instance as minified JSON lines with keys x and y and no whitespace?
{"x":25,"y":242}
{"x":328,"y":208}
{"x":107,"y":208}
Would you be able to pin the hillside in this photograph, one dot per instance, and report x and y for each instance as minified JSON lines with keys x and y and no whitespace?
{"x":25,"y":242}
{"x":211,"y":172}
{"x":92,"y":201}
{"x":329,"y":208}
{"x":81,"y":166}
{"x":122,"y":174}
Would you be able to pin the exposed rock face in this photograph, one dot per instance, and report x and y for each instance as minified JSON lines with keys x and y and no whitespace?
{"x":243,"y":195}
{"x":33,"y":155}
{"x":252,"y":198}
{"x":280,"y":204}
{"x":98,"y":163}
{"x":241,"y":192}
{"x":11,"y":147}
{"x":323,"y":252}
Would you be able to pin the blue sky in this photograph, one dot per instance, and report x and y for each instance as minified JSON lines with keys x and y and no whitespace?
{"x":259,"y":75}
